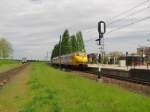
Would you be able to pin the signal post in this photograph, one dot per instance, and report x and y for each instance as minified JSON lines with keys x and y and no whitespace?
{"x":101,"y":31}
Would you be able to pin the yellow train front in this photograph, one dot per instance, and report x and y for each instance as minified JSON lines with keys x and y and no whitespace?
{"x":73,"y":60}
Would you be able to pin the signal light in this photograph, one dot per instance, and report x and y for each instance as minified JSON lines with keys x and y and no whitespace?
{"x":101,"y":27}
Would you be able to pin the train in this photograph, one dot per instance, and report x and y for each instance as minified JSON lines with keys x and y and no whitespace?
{"x":73,"y":60}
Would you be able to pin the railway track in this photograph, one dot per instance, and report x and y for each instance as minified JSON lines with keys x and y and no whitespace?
{"x":138,"y":81}
{"x":134,"y":85}
{"x":6,"y":76}
{"x":91,"y":74}
{"x":119,"y":77}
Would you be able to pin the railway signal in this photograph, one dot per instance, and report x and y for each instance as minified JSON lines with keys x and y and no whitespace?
{"x":101,"y":27}
{"x":101,"y":31}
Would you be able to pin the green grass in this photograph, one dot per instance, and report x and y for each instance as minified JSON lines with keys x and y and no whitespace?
{"x":5,"y":61}
{"x":8,"y":64}
{"x":50,"y":90}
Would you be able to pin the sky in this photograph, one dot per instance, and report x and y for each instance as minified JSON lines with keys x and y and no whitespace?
{"x":33,"y":27}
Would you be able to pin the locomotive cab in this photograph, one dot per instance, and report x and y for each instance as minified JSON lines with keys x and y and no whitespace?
{"x":80,"y":58}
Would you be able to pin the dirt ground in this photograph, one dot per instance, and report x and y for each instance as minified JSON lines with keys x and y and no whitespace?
{"x":87,"y":75}
{"x":14,"y":93}
{"x":6,"y":76}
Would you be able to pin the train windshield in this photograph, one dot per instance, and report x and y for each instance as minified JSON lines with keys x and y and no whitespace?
{"x":81,"y":54}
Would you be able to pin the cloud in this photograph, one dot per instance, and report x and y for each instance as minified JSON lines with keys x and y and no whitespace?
{"x":34,"y":26}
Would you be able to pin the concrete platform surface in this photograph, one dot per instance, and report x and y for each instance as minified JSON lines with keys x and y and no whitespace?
{"x":118,"y":67}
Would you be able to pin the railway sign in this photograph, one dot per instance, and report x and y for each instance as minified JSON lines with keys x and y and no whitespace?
{"x":101,"y":27}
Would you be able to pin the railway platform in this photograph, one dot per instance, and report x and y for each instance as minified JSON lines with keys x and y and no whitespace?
{"x":117,"y":67}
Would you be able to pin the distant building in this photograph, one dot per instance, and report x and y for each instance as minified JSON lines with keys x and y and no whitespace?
{"x":131,"y":60}
{"x":144,"y":52}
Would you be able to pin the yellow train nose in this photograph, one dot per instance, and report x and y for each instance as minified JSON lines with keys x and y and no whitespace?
{"x":81,"y":59}
{"x":85,"y":59}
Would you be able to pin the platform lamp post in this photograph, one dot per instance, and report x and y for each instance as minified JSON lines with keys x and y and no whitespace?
{"x":100,"y":40}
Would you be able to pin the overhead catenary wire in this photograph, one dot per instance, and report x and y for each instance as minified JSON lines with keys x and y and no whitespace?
{"x":128,"y":10}
{"x":122,"y":27}
{"x":130,"y":14}
{"x":127,"y":13}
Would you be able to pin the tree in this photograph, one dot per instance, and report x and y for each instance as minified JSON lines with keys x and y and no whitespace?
{"x":74,"y":43}
{"x":65,"y":44}
{"x":69,"y":44}
{"x":55,"y":51}
{"x":5,"y":48}
{"x":80,"y":42}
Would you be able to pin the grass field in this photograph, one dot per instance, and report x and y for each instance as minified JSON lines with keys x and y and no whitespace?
{"x":8,"y":64}
{"x":44,"y":89}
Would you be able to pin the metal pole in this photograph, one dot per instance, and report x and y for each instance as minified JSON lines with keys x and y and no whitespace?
{"x":100,"y":55}
{"x":103,"y":52}
{"x":101,"y":31}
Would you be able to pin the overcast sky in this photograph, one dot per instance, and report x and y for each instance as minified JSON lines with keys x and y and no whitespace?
{"x":34,"y":26}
